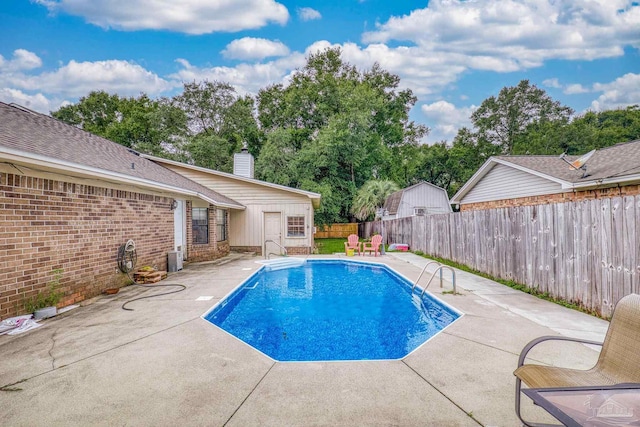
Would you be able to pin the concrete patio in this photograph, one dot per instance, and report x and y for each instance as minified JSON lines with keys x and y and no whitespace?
{"x":163,"y":365}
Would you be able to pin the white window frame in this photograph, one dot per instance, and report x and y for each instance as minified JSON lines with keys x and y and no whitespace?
{"x":303,"y":227}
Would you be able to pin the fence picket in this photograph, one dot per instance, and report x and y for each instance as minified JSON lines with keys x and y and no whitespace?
{"x":587,"y":251}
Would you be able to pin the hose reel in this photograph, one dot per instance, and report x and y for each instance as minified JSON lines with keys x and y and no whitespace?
{"x":127,"y":257}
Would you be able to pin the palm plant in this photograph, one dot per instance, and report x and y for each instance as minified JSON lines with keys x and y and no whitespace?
{"x":370,"y":197}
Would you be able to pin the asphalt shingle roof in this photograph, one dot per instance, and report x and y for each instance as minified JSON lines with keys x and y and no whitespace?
{"x":612,"y":162}
{"x":393,"y":201}
{"x":42,"y":135}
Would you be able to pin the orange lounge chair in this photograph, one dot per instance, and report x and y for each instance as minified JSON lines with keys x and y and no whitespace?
{"x":352,"y":243}
{"x":373,"y":246}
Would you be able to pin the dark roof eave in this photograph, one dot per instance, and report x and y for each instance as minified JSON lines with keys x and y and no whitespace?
{"x":60,"y":166}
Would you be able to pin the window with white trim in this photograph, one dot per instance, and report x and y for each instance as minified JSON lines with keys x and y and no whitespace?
{"x":295,"y":226}
{"x":200,"y":225}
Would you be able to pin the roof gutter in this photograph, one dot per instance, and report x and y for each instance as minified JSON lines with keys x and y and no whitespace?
{"x":605,"y":181}
{"x":87,"y":171}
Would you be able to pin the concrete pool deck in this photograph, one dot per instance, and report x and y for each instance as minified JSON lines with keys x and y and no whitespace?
{"x":163,"y":365}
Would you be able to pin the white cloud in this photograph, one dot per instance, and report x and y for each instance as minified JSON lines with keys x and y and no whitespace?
{"x":22,"y":60}
{"x":620,"y":93}
{"x":186,"y":16}
{"x":244,"y":77}
{"x":510,"y":35}
{"x":554,"y":83}
{"x":37,"y":102}
{"x":424,"y":74}
{"x":79,"y":78}
{"x":445,"y":119}
{"x":575,"y":88}
{"x":567,"y":89}
{"x":254,"y":48}
{"x":308,"y":14}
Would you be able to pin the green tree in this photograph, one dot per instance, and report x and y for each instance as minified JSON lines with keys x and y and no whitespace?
{"x":371,"y":197}
{"x":218,"y":123}
{"x":140,"y":123}
{"x":502,"y":120}
{"x":343,"y":127}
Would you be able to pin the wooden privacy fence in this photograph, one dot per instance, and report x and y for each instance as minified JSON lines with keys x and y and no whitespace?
{"x":586,"y":252}
{"x":336,"y":231}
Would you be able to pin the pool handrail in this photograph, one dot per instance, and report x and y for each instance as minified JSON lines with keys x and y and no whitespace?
{"x":425,"y":269}
{"x":438,"y":269}
{"x":277,"y":244}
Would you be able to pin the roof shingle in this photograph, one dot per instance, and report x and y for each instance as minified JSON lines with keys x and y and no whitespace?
{"x":38,"y":134}
{"x":611,"y":162}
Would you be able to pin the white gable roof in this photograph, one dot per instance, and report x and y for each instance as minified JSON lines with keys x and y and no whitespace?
{"x":315,"y":197}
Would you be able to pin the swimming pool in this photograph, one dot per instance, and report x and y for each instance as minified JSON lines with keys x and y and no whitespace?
{"x":328,"y":310}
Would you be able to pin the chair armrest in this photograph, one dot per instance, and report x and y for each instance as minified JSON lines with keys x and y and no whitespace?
{"x":533,"y":343}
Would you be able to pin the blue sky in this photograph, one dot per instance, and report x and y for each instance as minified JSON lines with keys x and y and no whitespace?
{"x":452,"y":53}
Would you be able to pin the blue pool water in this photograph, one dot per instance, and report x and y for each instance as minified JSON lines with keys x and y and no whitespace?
{"x":330,"y":310}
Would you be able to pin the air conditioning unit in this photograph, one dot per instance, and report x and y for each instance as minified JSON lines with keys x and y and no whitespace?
{"x":174,"y":261}
{"x":419,"y":211}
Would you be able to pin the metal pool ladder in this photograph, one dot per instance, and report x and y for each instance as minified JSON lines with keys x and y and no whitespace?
{"x":277,"y":244}
{"x":438,"y":269}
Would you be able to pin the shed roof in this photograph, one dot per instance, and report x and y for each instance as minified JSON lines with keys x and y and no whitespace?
{"x":27,"y":137}
{"x":616,"y":164}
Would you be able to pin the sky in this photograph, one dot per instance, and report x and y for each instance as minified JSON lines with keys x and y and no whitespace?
{"x":452,"y":54}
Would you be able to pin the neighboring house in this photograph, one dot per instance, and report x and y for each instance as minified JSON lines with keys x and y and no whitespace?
{"x":420,"y":199}
{"x":505,"y":181}
{"x":70,"y":199}
{"x":275,"y":216}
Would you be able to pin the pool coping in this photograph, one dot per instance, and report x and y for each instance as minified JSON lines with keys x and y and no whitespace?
{"x":162,"y":365}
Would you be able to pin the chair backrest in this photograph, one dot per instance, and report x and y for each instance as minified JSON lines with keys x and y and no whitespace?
{"x":352,"y":239}
{"x":620,"y":355}
{"x":376,"y":240}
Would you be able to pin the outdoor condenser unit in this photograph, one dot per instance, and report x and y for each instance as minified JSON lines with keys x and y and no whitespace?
{"x":174,"y":261}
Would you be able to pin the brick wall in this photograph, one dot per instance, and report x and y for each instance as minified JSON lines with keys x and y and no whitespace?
{"x":600,"y":193}
{"x":213,"y":249}
{"x":291,"y":250}
{"x":298,"y":250}
{"x":255,"y":249}
{"x":49,"y":225}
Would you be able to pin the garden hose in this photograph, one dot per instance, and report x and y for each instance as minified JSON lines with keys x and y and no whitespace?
{"x":127,"y":258}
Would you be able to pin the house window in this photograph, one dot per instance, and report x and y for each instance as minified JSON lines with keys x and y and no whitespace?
{"x":419,"y":211}
{"x":221,"y":224}
{"x":200,"y":225}
{"x":295,"y":226}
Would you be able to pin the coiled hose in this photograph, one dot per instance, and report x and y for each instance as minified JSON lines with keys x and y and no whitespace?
{"x":127,"y":258}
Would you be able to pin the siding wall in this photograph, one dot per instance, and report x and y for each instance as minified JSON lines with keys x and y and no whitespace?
{"x":424,"y":195}
{"x":504,"y":182}
{"x":246,"y":227}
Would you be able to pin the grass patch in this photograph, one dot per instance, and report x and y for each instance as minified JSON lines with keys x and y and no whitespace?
{"x":329,"y":246}
{"x":510,"y":283}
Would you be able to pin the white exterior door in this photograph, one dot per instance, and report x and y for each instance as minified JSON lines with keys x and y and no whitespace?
{"x":273,"y":232}
{"x":179,"y":227}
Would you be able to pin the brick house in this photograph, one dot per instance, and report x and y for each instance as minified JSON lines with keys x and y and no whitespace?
{"x":505,"y":181}
{"x":70,"y":199}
